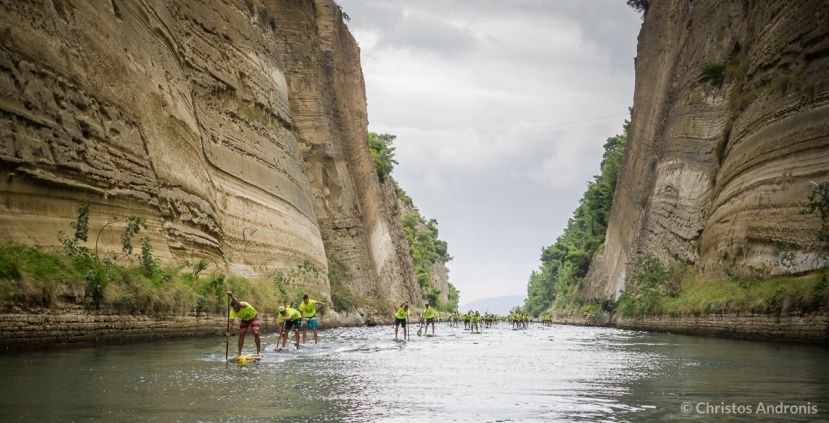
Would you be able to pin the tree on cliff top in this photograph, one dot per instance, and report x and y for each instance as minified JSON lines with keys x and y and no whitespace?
{"x":382,"y":153}
{"x":639,"y":5}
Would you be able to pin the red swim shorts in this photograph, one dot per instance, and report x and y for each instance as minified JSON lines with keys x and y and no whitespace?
{"x":253,"y":324}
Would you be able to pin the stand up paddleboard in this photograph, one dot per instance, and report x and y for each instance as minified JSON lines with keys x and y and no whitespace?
{"x":246,"y":359}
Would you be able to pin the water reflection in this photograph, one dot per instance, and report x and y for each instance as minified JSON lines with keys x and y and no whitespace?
{"x":361,"y":374}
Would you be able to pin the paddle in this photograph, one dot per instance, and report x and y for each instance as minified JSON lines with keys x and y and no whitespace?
{"x":227,"y":334}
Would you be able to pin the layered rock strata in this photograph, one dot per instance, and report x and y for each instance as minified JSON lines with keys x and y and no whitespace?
{"x":237,"y":129}
{"x":730,"y":129}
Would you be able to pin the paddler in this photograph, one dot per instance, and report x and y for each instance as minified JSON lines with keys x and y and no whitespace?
{"x":400,"y":319}
{"x":308,"y":308}
{"x":293,"y":320}
{"x":429,"y":314}
{"x":249,"y":319}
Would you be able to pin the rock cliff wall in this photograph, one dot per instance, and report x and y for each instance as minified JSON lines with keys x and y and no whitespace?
{"x":719,"y":164}
{"x":236,"y":128}
{"x":328,"y":101}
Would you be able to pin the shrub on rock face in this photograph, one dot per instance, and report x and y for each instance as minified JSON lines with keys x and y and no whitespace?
{"x":639,"y":5}
{"x":819,"y":202}
{"x":382,"y":153}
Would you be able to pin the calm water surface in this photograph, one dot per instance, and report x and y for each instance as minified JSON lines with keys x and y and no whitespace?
{"x":558,"y":373}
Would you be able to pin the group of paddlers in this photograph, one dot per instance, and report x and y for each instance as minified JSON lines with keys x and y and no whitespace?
{"x":288,"y":319}
{"x":473,"y":321}
{"x":401,"y":319}
{"x":305,"y":317}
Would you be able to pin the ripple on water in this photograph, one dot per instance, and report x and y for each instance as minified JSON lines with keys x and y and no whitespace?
{"x":361,"y":374}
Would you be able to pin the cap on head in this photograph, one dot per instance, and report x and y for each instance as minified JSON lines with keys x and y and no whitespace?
{"x":282,"y":310}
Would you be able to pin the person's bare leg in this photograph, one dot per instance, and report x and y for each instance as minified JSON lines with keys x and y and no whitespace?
{"x":241,"y":343}
{"x":258,"y":342}
{"x":315,"y":337}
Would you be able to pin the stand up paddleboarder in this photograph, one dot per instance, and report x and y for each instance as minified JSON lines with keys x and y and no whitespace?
{"x":293,"y":320}
{"x":429,"y":314}
{"x":249,"y":319}
{"x":400,"y":318}
{"x":308,"y":308}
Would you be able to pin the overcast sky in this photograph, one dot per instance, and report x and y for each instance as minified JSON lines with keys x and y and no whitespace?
{"x":500,"y":109}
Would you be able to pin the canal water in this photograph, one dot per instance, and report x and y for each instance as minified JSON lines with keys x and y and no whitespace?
{"x":556,"y":373}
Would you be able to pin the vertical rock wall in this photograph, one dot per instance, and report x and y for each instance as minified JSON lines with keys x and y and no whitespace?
{"x":237,"y":129}
{"x":716,"y":174}
{"x":329,"y":108}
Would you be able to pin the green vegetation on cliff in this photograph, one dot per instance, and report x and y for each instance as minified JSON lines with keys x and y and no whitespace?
{"x":425,"y":248}
{"x":657,"y":289}
{"x":565,"y":263}
{"x":73,"y":275}
{"x":382,"y":153}
{"x":30,"y":277}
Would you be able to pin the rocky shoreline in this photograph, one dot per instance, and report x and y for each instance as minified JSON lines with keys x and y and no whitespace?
{"x":808,"y":328}
{"x":58,"y":328}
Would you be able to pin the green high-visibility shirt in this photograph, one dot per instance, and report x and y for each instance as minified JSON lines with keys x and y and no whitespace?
{"x":429,"y":313}
{"x":247,"y":312}
{"x":292,"y":314}
{"x":401,"y":313}
{"x":309,"y":309}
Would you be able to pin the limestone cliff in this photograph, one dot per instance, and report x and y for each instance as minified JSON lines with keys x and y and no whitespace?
{"x":730,"y":126}
{"x":236,"y":128}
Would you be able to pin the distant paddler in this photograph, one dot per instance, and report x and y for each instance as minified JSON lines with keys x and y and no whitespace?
{"x":429,"y":314}
{"x":474,"y":319}
{"x":249,"y":319}
{"x":308,"y":308}
{"x":401,"y":317}
{"x":280,"y":322}
{"x":293,"y":320}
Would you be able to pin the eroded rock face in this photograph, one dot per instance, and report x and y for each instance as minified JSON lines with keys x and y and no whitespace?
{"x":329,"y":109}
{"x":237,"y":129}
{"x":716,"y":175}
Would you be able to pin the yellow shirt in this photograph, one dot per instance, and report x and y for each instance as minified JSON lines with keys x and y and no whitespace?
{"x":429,"y":313}
{"x":292,"y":314}
{"x":247,"y":312}
{"x":401,"y":313}
{"x":310,"y":309}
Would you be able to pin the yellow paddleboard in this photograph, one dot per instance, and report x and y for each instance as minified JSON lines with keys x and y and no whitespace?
{"x":247,"y":359}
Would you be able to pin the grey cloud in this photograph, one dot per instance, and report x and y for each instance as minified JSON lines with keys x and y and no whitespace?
{"x":477,"y":91}
{"x":428,"y":35}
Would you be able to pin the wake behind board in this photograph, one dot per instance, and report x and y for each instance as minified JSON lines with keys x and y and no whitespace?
{"x":246,"y":359}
